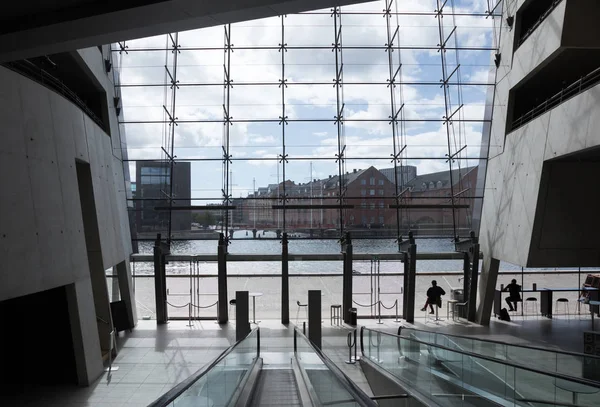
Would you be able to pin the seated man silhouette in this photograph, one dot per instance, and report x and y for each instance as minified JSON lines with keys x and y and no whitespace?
{"x":515,"y":295}
{"x":434,"y":296}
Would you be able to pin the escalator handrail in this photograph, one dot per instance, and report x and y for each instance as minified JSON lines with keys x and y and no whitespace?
{"x":537,"y":348}
{"x":488,"y":358}
{"x":360,"y":396}
{"x":180,"y":388}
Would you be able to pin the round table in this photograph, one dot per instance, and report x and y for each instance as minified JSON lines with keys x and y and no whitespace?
{"x":254,"y":295}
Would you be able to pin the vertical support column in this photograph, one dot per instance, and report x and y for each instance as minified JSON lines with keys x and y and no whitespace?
{"x":487,"y":287}
{"x":314,"y":317}
{"x":242,"y":315}
{"x":412,"y":276}
{"x":223,"y":312}
{"x":474,"y":259}
{"x":347,"y":277}
{"x":406,"y":262}
{"x":285,"y":281}
{"x":409,"y":248}
{"x":160,"y":280}
{"x":126,"y":290}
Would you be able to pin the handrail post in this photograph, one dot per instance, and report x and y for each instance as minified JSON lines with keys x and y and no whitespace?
{"x":258,"y":341}
{"x":351,"y":361}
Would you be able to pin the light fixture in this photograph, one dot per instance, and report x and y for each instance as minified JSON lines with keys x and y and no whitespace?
{"x":497,"y":59}
{"x":107,"y":65}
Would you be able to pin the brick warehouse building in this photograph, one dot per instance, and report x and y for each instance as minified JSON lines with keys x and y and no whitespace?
{"x":371,"y":193}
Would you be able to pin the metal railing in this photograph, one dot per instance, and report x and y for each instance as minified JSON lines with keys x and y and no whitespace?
{"x":582,"y":84}
{"x":534,"y":27}
{"x":179,"y":389}
{"x":44,"y":78}
{"x":358,"y":396}
{"x":433,"y":348}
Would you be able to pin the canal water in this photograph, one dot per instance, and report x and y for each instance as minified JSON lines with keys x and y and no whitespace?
{"x":243,"y":243}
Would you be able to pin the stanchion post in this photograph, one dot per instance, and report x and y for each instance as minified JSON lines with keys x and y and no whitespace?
{"x":189,"y":314}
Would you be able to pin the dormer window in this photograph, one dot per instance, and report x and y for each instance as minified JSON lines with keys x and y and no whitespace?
{"x":439,"y":184}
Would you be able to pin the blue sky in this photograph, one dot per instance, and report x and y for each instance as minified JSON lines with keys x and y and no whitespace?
{"x":366,"y":132}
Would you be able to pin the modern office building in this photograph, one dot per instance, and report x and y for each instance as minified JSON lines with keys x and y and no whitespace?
{"x":153,"y":189}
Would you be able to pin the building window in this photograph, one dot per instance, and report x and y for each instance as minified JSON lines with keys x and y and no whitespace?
{"x":372,"y":181}
{"x":363,"y":182}
{"x":381,"y":205}
{"x":372,"y":219}
{"x":380,"y":182}
{"x":372,"y":192}
{"x":372,"y":205}
{"x":363,"y":192}
{"x":363,"y":204}
{"x":364,"y":219}
{"x":381,"y":192}
{"x":381,"y":220}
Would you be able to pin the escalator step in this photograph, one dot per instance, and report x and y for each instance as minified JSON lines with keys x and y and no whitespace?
{"x":276,"y":388}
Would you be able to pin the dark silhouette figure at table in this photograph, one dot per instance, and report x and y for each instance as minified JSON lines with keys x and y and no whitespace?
{"x":434,"y":296}
{"x":515,"y":294}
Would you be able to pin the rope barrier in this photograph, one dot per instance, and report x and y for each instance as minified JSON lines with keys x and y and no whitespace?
{"x":393,"y":305}
{"x":207,"y":306}
{"x":361,"y":305}
{"x":178,"y":306}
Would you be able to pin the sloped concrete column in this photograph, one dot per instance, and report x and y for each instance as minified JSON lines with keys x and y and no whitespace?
{"x":487,"y":286}
{"x":126,"y":290}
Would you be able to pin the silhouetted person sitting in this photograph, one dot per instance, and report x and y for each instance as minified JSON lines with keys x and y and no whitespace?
{"x":515,"y":294}
{"x":434,"y":296}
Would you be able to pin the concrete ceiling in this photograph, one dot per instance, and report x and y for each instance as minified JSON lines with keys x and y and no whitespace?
{"x":37,"y":27}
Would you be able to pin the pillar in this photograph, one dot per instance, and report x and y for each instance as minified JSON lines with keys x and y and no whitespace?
{"x":126,"y":290}
{"x":487,"y":286}
{"x":223,"y":311}
{"x":314,"y":317}
{"x":347,"y":277}
{"x":285,"y":281}
{"x":242,"y":315}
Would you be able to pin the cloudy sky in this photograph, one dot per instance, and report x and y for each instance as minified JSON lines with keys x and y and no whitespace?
{"x":310,"y":98}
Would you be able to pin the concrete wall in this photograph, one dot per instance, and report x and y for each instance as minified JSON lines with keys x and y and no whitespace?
{"x":514,"y":179}
{"x":42,"y":242}
{"x":516,"y":159}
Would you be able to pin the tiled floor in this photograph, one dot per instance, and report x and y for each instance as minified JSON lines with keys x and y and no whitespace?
{"x":152,"y":359}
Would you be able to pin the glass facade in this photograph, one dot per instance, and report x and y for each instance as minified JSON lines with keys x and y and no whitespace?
{"x":369,"y":119}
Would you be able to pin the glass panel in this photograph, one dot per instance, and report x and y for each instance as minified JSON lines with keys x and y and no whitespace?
{"x":326,"y":385}
{"x":426,"y":367}
{"x":218,"y":385}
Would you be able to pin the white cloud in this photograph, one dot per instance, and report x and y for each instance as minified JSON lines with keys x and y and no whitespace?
{"x":367,"y":107}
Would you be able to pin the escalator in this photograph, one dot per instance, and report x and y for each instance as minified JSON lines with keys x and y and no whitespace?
{"x":570,"y":364}
{"x":449,"y":377}
{"x":238,"y":377}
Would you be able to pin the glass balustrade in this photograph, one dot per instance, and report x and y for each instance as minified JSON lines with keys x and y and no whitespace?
{"x":433,"y":369}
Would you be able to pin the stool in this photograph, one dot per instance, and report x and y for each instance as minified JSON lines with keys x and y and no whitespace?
{"x":565,"y":302}
{"x":298,"y":312}
{"x":450,"y":308}
{"x":533,"y":302}
{"x":335,"y":314}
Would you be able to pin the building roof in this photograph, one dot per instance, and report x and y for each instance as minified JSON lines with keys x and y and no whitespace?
{"x":441,"y":176}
